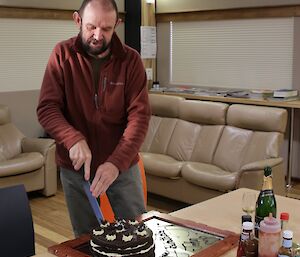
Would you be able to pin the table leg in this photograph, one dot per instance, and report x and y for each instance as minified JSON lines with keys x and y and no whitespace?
{"x":290,"y":151}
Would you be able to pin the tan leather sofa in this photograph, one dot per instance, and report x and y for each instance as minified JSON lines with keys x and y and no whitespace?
{"x":28,"y":161}
{"x":195,"y":150}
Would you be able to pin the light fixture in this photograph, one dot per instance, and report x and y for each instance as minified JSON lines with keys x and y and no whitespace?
{"x":150,"y":1}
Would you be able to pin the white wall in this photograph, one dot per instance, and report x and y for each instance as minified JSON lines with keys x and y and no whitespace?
{"x":26,"y":47}
{"x":166,"y":6}
{"x":52,"y":4}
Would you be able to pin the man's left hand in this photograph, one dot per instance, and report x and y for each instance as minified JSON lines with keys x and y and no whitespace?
{"x":105,"y":175}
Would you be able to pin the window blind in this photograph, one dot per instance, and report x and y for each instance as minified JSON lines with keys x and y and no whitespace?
{"x":248,"y":53}
{"x":25,"y":47}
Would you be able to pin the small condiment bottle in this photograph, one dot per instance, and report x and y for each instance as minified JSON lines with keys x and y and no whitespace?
{"x":284,"y":219}
{"x":250,"y":245}
{"x":240,"y":251}
{"x":286,"y":249}
{"x":269,"y":237}
{"x":247,"y":230}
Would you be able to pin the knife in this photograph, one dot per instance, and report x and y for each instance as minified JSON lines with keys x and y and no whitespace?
{"x":93,"y":201}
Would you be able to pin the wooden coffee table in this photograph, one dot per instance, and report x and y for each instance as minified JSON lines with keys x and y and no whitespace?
{"x":224,"y":212}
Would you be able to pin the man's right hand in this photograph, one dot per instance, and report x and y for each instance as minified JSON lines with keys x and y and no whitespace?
{"x":80,"y":154}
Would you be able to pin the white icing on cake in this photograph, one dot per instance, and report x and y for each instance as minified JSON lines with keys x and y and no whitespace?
{"x":110,"y":237}
{"x":98,"y":232}
{"x":127,"y":238}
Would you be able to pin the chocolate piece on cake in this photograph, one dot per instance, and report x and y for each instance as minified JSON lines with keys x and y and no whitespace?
{"x":122,"y":238}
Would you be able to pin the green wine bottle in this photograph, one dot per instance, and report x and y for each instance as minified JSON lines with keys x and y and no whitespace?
{"x":266,"y":202}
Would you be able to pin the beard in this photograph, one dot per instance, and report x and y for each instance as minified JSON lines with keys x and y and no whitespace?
{"x":93,"y":50}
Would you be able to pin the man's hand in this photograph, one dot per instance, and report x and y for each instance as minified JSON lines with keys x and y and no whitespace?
{"x":105,"y":175}
{"x":80,"y":154}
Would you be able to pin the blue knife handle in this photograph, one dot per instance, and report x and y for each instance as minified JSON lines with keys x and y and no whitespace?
{"x":93,"y":201}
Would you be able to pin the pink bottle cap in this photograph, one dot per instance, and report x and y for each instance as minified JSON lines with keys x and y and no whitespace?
{"x":270,"y":225}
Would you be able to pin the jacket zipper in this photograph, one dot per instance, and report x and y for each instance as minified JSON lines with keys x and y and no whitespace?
{"x":96,"y":100}
{"x":96,"y":96}
{"x":104,"y":83}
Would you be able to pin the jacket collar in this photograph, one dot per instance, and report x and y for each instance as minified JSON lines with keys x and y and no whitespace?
{"x":117,"y":47}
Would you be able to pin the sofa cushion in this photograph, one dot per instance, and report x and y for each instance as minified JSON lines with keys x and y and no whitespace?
{"x":21,"y":163}
{"x":257,"y":118}
{"x":159,"y":133}
{"x":4,"y":114}
{"x":263,"y":145}
{"x":165,"y":106}
{"x":209,"y":176}
{"x":10,"y":141}
{"x":232,"y":148}
{"x":161,"y":165}
{"x":206,"y":143}
{"x":203,"y":112}
{"x":181,"y":146}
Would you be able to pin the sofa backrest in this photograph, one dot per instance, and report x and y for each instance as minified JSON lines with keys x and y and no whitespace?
{"x":10,"y":136}
{"x":184,"y":129}
{"x":165,"y":105}
{"x":197,"y":131}
{"x":252,"y":133}
{"x":165,"y":113}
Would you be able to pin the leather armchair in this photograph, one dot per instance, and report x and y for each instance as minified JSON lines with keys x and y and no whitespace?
{"x":27,"y":161}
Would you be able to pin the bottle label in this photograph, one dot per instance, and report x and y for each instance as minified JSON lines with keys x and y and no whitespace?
{"x":244,"y":236}
{"x":267,"y":192}
{"x":287,"y":243}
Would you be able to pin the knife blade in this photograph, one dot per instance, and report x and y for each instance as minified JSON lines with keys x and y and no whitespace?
{"x":93,"y":201}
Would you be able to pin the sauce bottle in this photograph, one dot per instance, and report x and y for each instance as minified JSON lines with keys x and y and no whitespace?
{"x":269,"y":237}
{"x":245,"y":235}
{"x":286,"y":248}
{"x":250,"y":245}
{"x":284,"y":219}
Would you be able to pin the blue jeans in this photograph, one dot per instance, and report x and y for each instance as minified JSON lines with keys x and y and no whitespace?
{"x":125,"y":195}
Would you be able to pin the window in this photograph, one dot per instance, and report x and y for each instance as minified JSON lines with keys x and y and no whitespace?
{"x":247,"y":53}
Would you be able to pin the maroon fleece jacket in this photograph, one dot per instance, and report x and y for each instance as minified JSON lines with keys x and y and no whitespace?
{"x":114,"y":120}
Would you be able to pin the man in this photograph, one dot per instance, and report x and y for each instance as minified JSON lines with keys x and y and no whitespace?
{"x":94,"y":103}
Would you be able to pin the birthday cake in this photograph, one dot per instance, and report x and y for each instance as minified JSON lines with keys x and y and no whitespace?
{"x":122,"y":238}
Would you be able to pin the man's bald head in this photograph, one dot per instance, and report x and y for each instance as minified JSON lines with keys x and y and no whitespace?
{"x":106,"y":4}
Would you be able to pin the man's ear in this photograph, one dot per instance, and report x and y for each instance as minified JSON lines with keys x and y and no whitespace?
{"x":118,"y":22}
{"x":77,"y":19}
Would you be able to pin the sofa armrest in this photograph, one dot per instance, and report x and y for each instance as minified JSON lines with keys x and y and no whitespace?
{"x":46,"y":147}
{"x":260,"y":165}
{"x":40,"y":145}
{"x":251,"y":175}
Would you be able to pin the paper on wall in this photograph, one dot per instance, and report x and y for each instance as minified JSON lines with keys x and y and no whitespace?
{"x":148,"y":42}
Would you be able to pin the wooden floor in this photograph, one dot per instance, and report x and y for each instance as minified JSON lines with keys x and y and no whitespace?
{"x":52,"y":225}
